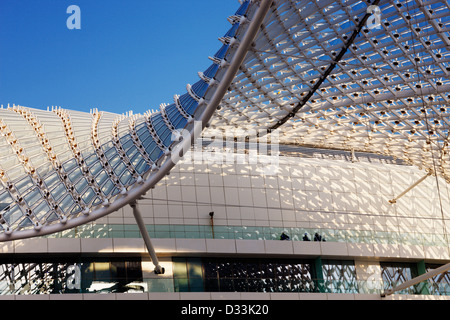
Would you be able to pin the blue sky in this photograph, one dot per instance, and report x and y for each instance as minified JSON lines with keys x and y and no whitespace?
{"x":128,"y":55}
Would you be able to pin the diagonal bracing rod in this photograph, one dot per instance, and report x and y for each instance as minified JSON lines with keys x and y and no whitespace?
{"x":409,"y":188}
{"x":146,"y":237}
{"x":418,"y":279}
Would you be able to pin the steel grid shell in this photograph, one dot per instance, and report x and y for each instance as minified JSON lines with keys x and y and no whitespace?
{"x":351,"y":75}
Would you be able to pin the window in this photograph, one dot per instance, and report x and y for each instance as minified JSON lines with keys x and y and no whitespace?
{"x":70,"y":276}
{"x":339,"y":276}
{"x":394,"y":274}
{"x":243,"y":275}
{"x":188,"y":275}
{"x":439,"y":284}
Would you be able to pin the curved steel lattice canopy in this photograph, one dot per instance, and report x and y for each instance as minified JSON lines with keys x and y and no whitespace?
{"x":340,"y":74}
{"x":331,"y":74}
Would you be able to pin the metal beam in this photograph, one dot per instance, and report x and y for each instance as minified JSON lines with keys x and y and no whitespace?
{"x":146,"y":237}
{"x":417,"y":280}
{"x":238,"y":59}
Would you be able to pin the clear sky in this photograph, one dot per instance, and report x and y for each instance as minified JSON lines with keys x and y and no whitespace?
{"x":128,"y":54}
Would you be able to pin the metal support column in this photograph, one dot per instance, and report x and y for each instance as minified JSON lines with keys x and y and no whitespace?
{"x":422,"y":288}
{"x":320,"y":281}
{"x":146,"y":237}
{"x":409,"y":188}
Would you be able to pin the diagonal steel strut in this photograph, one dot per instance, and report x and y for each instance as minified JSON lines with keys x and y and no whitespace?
{"x":417,"y":280}
{"x":392,"y":201}
{"x":146,"y":237}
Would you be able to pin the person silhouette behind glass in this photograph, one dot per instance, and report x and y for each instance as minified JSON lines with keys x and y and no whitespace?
{"x":284,"y":236}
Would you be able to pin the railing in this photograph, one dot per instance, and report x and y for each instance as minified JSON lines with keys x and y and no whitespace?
{"x":94,"y":230}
